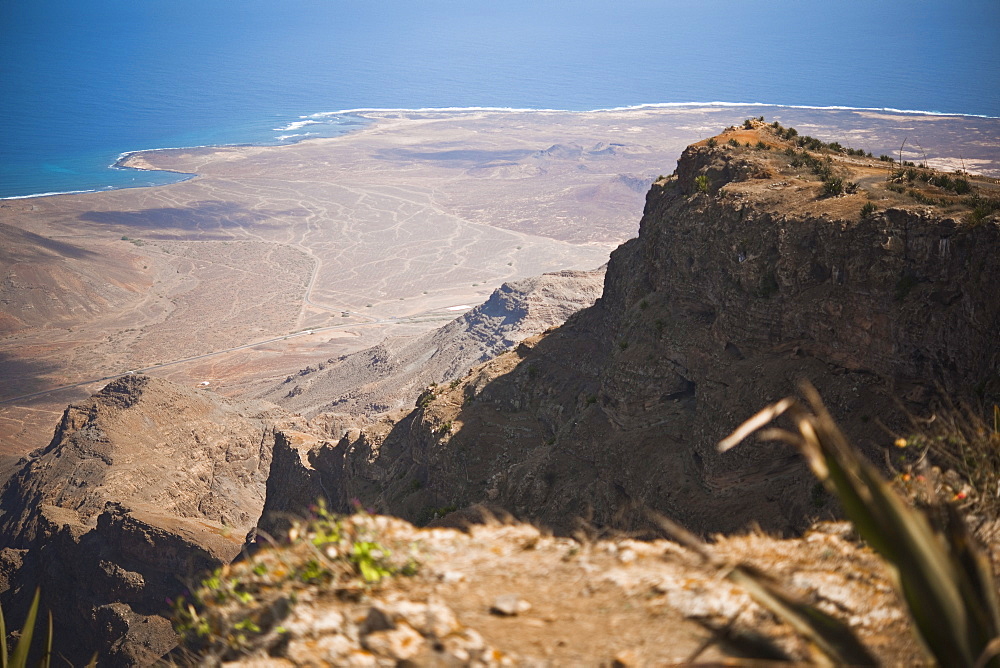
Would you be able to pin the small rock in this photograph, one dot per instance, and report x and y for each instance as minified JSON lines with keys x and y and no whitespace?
{"x":626,"y":659}
{"x":430,"y":619}
{"x":377,"y":620}
{"x":330,"y":621}
{"x":451,"y":577}
{"x":464,"y":646}
{"x":509,"y":605}
{"x":400,"y":643}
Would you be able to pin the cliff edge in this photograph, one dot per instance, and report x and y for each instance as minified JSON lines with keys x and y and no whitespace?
{"x":765,"y":259}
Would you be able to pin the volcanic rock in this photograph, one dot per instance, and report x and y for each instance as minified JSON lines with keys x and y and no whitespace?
{"x":739,"y":286}
{"x":143,"y":488}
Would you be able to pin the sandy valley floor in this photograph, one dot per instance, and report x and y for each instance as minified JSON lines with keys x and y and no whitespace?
{"x":275,"y":257}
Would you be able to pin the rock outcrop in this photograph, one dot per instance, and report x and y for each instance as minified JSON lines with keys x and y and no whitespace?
{"x":143,"y":488}
{"x":391,"y":375}
{"x":745,"y":279}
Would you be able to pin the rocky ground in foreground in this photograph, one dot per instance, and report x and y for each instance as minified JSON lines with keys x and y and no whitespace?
{"x":499,"y":594}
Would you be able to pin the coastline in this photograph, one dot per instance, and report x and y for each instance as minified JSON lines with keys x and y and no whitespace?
{"x":136,"y":159}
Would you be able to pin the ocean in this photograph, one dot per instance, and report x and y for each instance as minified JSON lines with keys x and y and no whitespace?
{"x":83,"y":82}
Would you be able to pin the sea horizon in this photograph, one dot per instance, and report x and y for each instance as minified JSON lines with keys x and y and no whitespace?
{"x":84,"y":83}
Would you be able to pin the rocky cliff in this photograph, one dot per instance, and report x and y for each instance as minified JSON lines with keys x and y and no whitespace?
{"x":749,"y":274}
{"x":142,"y":488}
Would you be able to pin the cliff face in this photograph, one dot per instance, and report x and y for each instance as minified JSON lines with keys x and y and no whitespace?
{"x":143,"y":487}
{"x":739,"y":285}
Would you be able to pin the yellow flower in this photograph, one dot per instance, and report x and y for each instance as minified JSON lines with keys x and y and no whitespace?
{"x":900,"y":442}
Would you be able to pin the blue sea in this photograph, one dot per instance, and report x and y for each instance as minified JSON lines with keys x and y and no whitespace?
{"x":83,"y":82}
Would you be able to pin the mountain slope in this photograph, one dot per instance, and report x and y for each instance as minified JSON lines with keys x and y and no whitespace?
{"x":143,"y":487}
{"x":391,"y":375}
{"x":747,"y":277}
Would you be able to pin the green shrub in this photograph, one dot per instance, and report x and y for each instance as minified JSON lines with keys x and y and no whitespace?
{"x":701,"y":183}
{"x":961,"y":186}
{"x":980,"y":214}
{"x":734,"y":143}
{"x":821,"y":168}
{"x":960,"y":440}
{"x":868,"y":210}
{"x":345,"y":556}
{"x":711,"y":143}
{"x":833,"y":186}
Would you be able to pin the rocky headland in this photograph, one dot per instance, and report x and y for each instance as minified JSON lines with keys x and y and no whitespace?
{"x":745,"y":279}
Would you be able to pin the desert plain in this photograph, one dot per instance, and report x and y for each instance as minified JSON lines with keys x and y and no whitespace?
{"x":269,"y":259}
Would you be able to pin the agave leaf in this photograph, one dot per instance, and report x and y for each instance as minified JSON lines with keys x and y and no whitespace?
{"x":833,"y":638}
{"x":20,"y":656}
{"x":762,"y":418}
{"x":977,"y":584}
{"x":46,"y":661}
{"x":928,"y":577}
{"x":948,"y":587}
{"x":3,"y":641}
{"x":829,"y":635}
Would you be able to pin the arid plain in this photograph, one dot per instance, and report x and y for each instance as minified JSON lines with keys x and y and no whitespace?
{"x":273,"y":258}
